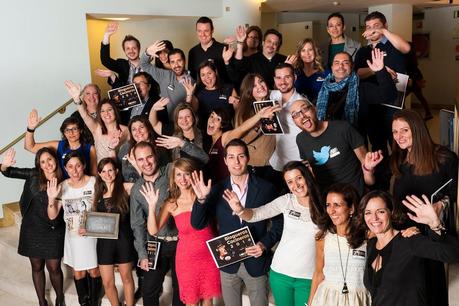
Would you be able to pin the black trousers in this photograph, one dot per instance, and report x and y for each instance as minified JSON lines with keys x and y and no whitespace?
{"x":153,"y":279}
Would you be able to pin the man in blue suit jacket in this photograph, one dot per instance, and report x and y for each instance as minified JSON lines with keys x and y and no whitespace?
{"x":252,"y":192}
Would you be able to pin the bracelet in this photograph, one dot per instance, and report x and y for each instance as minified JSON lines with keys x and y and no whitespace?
{"x":366,"y":169}
{"x":77,"y":102}
{"x":439,"y":227}
{"x":201,"y":200}
{"x":30,"y":130}
{"x":240,"y":213}
{"x":240,"y":42}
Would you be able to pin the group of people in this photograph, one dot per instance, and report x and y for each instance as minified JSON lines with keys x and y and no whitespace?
{"x":191,"y":163}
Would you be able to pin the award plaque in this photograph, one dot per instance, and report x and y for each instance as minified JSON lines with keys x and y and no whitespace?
{"x":102,"y":225}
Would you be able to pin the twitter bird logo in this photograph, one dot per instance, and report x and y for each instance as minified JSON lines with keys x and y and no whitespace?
{"x":322,"y":156}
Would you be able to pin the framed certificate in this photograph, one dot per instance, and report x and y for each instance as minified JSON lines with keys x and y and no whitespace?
{"x":102,"y":225}
{"x":125,"y":97}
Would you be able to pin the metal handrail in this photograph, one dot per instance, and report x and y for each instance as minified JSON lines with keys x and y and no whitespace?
{"x":61,"y":109}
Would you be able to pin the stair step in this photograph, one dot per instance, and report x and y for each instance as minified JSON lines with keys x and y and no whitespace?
{"x":11,"y":213}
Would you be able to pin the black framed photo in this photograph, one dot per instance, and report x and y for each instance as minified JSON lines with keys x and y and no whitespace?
{"x":102,"y":225}
{"x":269,"y":126}
{"x":125,"y":97}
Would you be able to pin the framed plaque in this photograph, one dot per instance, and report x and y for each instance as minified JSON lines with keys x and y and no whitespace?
{"x":269,"y":126}
{"x":102,"y":225}
{"x":152,"y":254}
{"x":125,"y":97}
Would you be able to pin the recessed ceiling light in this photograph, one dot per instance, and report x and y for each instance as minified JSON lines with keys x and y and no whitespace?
{"x":117,"y":18}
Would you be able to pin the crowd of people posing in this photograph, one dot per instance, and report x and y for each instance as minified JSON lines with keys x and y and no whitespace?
{"x":191,"y":162}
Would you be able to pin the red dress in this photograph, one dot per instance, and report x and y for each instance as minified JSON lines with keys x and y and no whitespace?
{"x":197,"y":274}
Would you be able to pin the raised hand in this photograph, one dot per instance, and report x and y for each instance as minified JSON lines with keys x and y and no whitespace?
{"x":104,"y":73}
{"x":291,"y":59}
{"x":150,"y":194}
{"x":53,"y":189}
{"x":423,"y":210}
{"x":189,"y":86}
{"x":377,"y":60}
{"x":8,"y":159}
{"x":227,"y":54}
{"x":234,"y":101}
{"x":160,"y":104}
{"x":111,"y":28}
{"x":241,"y":33}
{"x":33,"y":120}
{"x":154,"y":48}
{"x":372,"y":159}
{"x":229,"y":40}
{"x":369,"y":33}
{"x":268,"y":111}
{"x":74,"y":90}
{"x":233,"y":201}
{"x":115,"y":138}
{"x":199,"y":187}
{"x":169,"y":142}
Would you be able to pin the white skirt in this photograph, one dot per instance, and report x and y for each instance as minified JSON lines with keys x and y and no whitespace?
{"x":329,"y":294}
{"x":80,"y":252}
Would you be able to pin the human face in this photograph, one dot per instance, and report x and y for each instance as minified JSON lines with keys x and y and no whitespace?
{"x":341,"y":66}
{"x":177,"y":64}
{"x":131,"y":50}
{"x":208,"y":77}
{"x":185,"y":119}
{"x":401,"y":132}
{"x":236,"y":160}
{"x":91,"y":98}
{"x":108,"y":173}
{"x":253,"y":40}
{"x":335,"y":27}
{"x":182,"y":178}
{"x":214,"y":124}
{"x":142,"y":86}
{"x":163,"y":56}
{"x":139,"y":131}
{"x":47,"y":163}
{"x":377,"y":216}
{"x":204,"y":33}
{"x":270,"y":45}
{"x":145,"y":161}
{"x":374,"y":24}
{"x":307,"y":53}
{"x":260,"y":89}
{"x":284,"y":78}
{"x":296,"y":183}
{"x":72,"y":133}
{"x":304,"y":116}
{"x":107,"y":113}
{"x":337,"y":209}
{"x":75,"y":169}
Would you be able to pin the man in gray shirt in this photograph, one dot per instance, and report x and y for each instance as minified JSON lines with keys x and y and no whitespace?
{"x":146,"y":159}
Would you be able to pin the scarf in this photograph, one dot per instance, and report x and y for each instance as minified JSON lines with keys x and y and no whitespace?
{"x":351,"y":108}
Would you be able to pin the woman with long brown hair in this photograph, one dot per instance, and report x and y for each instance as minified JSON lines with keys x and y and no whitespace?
{"x":198,"y":277}
{"x":110,"y":196}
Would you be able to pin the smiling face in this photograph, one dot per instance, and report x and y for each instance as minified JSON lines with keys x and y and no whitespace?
{"x":377,"y":216}
{"x":307,"y":53}
{"x":236,"y":160}
{"x":75,"y":169}
{"x":341,"y":66}
{"x":107,"y":113}
{"x":304,"y":116}
{"x":177,"y":63}
{"x":401,"y":132}
{"x":146,"y":161}
{"x":131,"y":49}
{"x":208,"y":77}
{"x":270,"y":45}
{"x":260,"y":89}
{"x":253,"y":40}
{"x":108,"y":173}
{"x":142,"y":85}
{"x":163,"y":56}
{"x":91,"y":98}
{"x":185,"y":120}
{"x":284,"y":79}
{"x":338,"y":210}
{"x":182,"y":179}
{"x":47,"y":163}
{"x":139,"y":131}
{"x":214,"y":124}
{"x":296,"y":183}
{"x":335,"y":27}
{"x":204,"y":33}
{"x":72,"y":133}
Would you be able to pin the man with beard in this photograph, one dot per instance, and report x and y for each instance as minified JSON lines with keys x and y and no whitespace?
{"x":175,"y":84}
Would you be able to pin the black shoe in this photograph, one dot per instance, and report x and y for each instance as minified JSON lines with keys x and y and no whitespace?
{"x":95,"y":289}
{"x":82,"y":289}
{"x":138,"y":292}
{"x":59,"y":302}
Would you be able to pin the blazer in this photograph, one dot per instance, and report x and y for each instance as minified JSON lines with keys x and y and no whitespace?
{"x":259,"y":193}
{"x":119,"y":65}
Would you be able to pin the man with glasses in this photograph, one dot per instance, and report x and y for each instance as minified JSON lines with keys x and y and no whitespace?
{"x":334,"y":149}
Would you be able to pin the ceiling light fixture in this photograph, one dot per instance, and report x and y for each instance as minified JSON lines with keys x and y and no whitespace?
{"x":117,"y":18}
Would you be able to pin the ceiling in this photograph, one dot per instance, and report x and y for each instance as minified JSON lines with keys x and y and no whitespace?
{"x":348,"y":6}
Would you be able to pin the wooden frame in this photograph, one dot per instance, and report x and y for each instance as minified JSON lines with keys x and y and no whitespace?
{"x":102,"y":225}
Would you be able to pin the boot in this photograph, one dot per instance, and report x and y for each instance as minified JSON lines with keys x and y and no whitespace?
{"x":59,"y":302}
{"x":82,"y":289}
{"x":95,"y":287}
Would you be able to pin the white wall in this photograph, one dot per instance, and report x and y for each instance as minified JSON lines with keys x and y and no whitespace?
{"x":45,"y":42}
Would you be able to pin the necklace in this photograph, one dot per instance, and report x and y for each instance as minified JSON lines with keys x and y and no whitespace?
{"x":343,"y":271}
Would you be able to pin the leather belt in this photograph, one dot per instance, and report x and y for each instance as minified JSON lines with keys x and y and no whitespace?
{"x":167,"y":238}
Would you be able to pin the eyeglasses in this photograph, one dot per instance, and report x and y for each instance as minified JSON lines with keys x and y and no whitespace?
{"x":302,"y":111}
{"x":71,"y":130}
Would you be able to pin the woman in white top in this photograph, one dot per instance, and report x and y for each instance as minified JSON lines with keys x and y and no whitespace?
{"x":106,"y":129}
{"x":293,"y":263}
{"x":75,"y":196}
{"x":340,"y":253}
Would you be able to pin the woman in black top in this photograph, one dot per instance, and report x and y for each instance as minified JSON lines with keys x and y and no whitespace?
{"x":111,"y":197}
{"x":395,"y":268}
{"x":40,"y":239}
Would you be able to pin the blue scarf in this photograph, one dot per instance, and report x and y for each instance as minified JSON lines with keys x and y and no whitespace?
{"x":351,"y":108}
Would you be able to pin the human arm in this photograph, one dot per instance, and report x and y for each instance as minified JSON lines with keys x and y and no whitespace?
{"x":397,"y":41}
{"x":370,"y":161}
{"x":201,"y":207}
{"x":108,"y":74}
{"x":241,"y":35}
{"x":74,"y":91}
{"x":318,"y":275}
{"x":153,"y":116}
{"x":13,"y":172}
{"x":185,"y":146}
{"x":54,"y":205}
{"x":384,"y":76}
{"x":29,"y":141}
{"x":190,"y":87}
{"x":138,"y":225}
{"x":147,"y":66}
{"x":151,"y":196}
